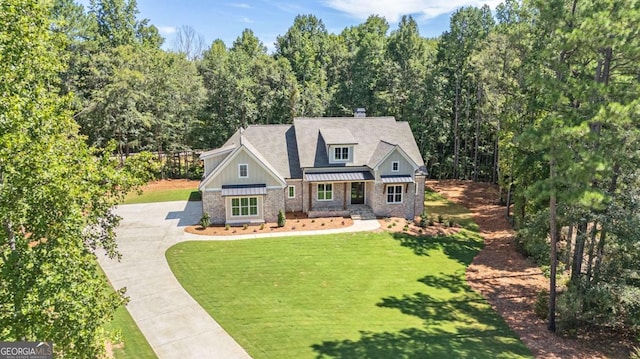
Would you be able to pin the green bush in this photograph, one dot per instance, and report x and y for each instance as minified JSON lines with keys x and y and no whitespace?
{"x":440,"y":218}
{"x":424,"y":220}
{"x":205,"y":221}
{"x":281,"y":219}
{"x":541,"y":306}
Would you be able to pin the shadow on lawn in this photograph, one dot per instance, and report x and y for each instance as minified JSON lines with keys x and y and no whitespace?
{"x":462,"y":246}
{"x":476,"y":330}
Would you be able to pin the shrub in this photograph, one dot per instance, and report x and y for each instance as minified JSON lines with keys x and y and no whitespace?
{"x":226,"y":227}
{"x":261,"y":226}
{"x":245,"y":226}
{"x":405,"y":228}
{"x":541,"y":306}
{"x":440,"y":218}
{"x":281,"y":219}
{"x":424,"y":220}
{"x":205,"y":221}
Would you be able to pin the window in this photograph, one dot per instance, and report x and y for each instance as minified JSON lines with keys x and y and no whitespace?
{"x":243,"y":170}
{"x":325,"y":191}
{"x":244,"y":206}
{"x":395,"y":166}
{"x":394,"y":194}
{"x":341,"y":154}
{"x":291,"y":191}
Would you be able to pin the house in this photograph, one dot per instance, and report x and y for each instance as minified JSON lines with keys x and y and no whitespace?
{"x":320,"y":166}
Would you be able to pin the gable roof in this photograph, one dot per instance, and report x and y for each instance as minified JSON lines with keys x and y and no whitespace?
{"x":276,"y":145}
{"x":244,"y":145}
{"x":368,"y":132}
{"x":285,"y":150}
{"x":381,"y":156}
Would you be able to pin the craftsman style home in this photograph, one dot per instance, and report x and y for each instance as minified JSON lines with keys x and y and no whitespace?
{"x":358,"y":166}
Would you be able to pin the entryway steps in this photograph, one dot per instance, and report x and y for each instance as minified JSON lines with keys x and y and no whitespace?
{"x":361,"y":212}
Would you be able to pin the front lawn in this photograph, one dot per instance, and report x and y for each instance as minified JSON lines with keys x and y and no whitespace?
{"x":360,"y":295}
{"x":164,"y":195}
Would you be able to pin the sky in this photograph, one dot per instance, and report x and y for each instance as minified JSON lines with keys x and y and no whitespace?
{"x":226,"y":19}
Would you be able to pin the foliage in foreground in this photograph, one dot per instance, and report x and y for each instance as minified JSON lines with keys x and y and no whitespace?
{"x":56,"y":198}
{"x":378,"y":295}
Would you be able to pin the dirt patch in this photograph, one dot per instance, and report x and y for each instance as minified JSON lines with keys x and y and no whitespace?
{"x":509,"y":282}
{"x":170,"y":184}
{"x":296,"y":222}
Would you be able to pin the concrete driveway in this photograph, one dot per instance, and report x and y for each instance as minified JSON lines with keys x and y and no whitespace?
{"x":174,"y":323}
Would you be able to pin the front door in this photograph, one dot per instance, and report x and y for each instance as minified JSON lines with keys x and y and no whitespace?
{"x":357,"y":192}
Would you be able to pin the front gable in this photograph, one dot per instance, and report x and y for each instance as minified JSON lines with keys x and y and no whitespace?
{"x":242,"y":167}
{"x":403,"y":164}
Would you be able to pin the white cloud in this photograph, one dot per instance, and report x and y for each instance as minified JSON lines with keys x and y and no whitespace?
{"x":246,"y":20}
{"x":392,"y":10}
{"x":167,"y":30}
{"x":241,"y":5}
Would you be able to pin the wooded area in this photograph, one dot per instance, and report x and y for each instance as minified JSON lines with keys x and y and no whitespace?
{"x":541,"y":97}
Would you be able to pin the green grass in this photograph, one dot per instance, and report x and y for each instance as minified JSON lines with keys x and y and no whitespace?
{"x":183,"y":194}
{"x":360,"y":295}
{"x":435,"y":205}
{"x":134,"y":344}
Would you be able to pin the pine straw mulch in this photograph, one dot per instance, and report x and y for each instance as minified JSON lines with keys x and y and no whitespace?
{"x":510,"y":283}
{"x":296,"y":221}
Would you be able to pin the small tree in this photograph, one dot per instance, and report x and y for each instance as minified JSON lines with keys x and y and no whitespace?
{"x":281,"y":219}
{"x":205,"y":220}
{"x":424,"y":220}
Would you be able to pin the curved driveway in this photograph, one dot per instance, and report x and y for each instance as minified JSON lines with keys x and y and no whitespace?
{"x":174,"y":323}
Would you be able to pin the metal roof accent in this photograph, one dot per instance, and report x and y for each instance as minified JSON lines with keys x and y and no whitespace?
{"x":339,"y":176}
{"x":244,"y":190}
{"x":397,"y":179}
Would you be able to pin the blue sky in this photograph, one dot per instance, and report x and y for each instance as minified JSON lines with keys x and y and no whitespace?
{"x":220,"y":19}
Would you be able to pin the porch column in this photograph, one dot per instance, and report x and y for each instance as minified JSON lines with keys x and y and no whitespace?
{"x":344,"y":199}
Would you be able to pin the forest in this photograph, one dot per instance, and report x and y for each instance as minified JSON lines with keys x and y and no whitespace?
{"x":538,"y":96}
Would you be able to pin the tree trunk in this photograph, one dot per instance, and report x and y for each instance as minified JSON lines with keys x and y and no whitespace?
{"x":456,"y":133}
{"x":592,"y":245}
{"x":553,"y":232}
{"x":477,"y":139}
{"x":569,"y":242}
{"x":578,"y":252}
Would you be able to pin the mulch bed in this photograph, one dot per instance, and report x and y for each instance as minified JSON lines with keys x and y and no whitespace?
{"x":510,"y":283}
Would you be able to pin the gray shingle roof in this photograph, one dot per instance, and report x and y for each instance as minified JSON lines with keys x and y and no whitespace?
{"x":276,"y":144}
{"x":337,"y":136}
{"x":367,"y":131}
{"x":289,"y":148}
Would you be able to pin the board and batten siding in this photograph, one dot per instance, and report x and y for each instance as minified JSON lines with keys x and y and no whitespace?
{"x":405,"y":167}
{"x":212,"y":162}
{"x":230,"y":176}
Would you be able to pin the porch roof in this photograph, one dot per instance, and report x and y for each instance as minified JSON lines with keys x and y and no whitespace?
{"x":354,"y":176}
{"x":244,"y":190}
{"x":397,"y":179}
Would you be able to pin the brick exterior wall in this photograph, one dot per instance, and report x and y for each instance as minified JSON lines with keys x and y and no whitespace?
{"x":419,"y":203}
{"x":405,"y":209}
{"x":336,"y":203}
{"x":273,"y":202}
{"x":293,"y":204}
{"x":213,"y":204}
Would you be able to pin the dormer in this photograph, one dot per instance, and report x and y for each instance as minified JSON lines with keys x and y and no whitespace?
{"x":340,"y":145}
